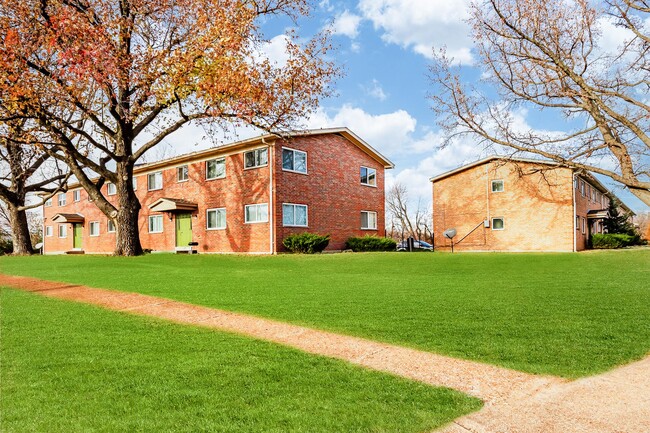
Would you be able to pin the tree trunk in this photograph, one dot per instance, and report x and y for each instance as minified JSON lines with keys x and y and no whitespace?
{"x":20,"y":231}
{"x":127,"y":222}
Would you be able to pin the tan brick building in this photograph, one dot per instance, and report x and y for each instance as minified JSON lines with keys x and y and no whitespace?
{"x":245,"y":197}
{"x":517,"y":204}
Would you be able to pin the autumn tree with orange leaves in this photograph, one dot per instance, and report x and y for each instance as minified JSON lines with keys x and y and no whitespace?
{"x":109,"y":80}
{"x":546,"y":56}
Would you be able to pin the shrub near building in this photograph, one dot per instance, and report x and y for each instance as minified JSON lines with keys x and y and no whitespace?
{"x":306,"y":243}
{"x":371,"y":243}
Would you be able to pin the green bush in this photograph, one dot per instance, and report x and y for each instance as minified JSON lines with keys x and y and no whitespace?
{"x":306,"y":243}
{"x":370,"y":243}
{"x":613,"y":240}
{"x":6,"y":246}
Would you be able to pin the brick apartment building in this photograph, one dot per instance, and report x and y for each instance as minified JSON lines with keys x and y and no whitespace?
{"x":517,"y":204}
{"x":244,"y":197}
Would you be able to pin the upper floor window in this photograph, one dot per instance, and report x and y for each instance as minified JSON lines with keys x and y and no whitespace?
{"x":76,"y":195}
{"x":256,"y":213}
{"x":256,"y":158}
{"x":368,"y":220}
{"x":94,"y":228}
{"x":368,"y":176}
{"x":154,"y":181}
{"x":110,"y":226}
{"x":135,"y":183}
{"x":111,"y":189}
{"x":216,"y":219}
{"x":182,"y":173}
{"x":61,"y":199}
{"x":497,"y":186}
{"x":294,"y":215}
{"x":498,"y":223}
{"x":215,"y":168}
{"x":582,"y":188}
{"x":294,"y":160}
{"x":48,"y":202}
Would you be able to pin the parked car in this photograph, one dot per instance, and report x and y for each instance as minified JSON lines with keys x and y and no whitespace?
{"x":417,"y":246}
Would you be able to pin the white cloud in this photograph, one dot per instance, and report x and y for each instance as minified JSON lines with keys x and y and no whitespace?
{"x":421,"y":25}
{"x":346,"y":24}
{"x":375,"y":90}
{"x":389,"y":133}
{"x":275,"y":50}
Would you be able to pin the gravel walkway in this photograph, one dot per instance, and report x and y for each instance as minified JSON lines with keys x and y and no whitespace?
{"x":618,"y":401}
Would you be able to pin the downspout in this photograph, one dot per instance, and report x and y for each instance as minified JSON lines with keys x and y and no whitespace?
{"x":573,"y":217}
{"x":271,"y":162}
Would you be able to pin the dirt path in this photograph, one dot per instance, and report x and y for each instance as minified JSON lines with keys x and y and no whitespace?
{"x":618,"y":401}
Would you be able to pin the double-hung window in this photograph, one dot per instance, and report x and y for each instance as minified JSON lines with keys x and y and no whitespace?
{"x":182,"y":173}
{"x":256,"y":213}
{"x":368,"y":176}
{"x":48,"y":202}
{"x":48,"y":231}
{"x":216,"y":219}
{"x":155,"y":224}
{"x":294,"y":160}
{"x":61,"y":199}
{"x":94,"y":228}
{"x":154,"y":181}
{"x":111,"y":189}
{"x":76,"y":195}
{"x":110,"y":226}
{"x":256,"y":158}
{"x":215,"y":168}
{"x":294,"y":215}
{"x":368,"y":220}
{"x":63,"y":231}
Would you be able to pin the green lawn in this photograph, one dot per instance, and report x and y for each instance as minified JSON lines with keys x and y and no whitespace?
{"x":67,"y":367}
{"x":562,"y":314}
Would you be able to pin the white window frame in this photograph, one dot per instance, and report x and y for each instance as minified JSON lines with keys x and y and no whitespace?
{"x":59,"y":201}
{"x":183,"y":169}
{"x":63,"y":231}
{"x":216,"y":161}
{"x":582,"y":188}
{"x":293,"y":159}
{"x":111,"y":189}
{"x":294,"y":206}
{"x":76,"y":195}
{"x":155,"y":217}
{"x":255,"y":153}
{"x":368,"y":170}
{"x":48,"y":231}
{"x":217,"y":210}
{"x":92,"y":232}
{"x":577,"y":222}
{"x":584,"y":225}
{"x":135,"y":183}
{"x":109,"y":224}
{"x":497,"y":182}
{"x":368,"y":212}
{"x":48,"y":202}
{"x":257,"y":206}
{"x":503,"y":222}
{"x":155,"y":175}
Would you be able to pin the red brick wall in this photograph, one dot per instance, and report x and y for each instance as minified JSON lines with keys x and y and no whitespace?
{"x":584,"y":203}
{"x":331,"y":189}
{"x":537,"y":208}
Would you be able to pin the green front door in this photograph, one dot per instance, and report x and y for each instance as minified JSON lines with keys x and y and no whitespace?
{"x":77,"y":230}
{"x":183,"y":229}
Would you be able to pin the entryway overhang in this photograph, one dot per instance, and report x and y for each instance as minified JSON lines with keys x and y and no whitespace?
{"x":68,"y":218}
{"x":172,"y":205}
{"x":597,"y":214}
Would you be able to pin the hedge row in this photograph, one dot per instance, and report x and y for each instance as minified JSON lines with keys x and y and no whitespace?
{"x":613,"y":240}
{"x":370,"y":243}
{"x":306,"y":243}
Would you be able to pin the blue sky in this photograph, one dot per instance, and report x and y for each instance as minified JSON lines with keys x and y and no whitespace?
{"x":384,"y":48}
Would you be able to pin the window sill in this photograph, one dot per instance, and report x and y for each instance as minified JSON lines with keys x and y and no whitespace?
{"x":256,"y":166}
{"x":295,"y":226}
{"x":367,"y":184}
{"x":216,"y":229}
{"x":215,"y":178}
{"x":369,"y":229}
{"x":294,"y":171}
{"x":256,"y":222}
